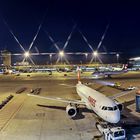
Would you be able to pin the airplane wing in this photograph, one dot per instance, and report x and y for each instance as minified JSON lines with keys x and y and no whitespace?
{"x":122,"y":94}
{"x":106,"y":83}
{"x":69,"y":101}
{"x":67,"y":85}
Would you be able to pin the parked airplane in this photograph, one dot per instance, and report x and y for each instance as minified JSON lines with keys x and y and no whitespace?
{"x":102,"y":74}
{"x":106,"y":108}
{"x":44,"y":69}
{"x":7,"y":71}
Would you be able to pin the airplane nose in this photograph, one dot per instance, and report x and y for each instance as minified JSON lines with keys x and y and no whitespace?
{"x":115,"y":118}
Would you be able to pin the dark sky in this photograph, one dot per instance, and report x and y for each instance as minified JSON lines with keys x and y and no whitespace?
{"x":91,"y":18}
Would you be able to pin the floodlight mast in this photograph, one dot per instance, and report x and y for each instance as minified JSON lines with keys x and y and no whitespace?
{"x":86,"y":54}
{"x":117,"y":55}
{"x":27,"y":54}
{"x":95,"y":54}
{"x":61,"y":55}
{"x":50,"y":55}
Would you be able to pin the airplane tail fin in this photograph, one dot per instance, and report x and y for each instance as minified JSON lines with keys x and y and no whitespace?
{"x":78,"y":75}
{"x":124,"y":67}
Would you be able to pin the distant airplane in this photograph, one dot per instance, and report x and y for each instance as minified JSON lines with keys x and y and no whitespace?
{"x":6,"y":71}
{"x":103,"y":74}
{"x":105,"y":107}
{"x":44,"y":69}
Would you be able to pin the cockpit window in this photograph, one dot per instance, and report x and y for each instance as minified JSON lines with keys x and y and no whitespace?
{"x":104,"y":108}
{"x":115,"y":108}
{"x":109,"y":108}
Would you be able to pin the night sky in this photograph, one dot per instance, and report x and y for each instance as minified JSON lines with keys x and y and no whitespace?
{"x":59,"y":17}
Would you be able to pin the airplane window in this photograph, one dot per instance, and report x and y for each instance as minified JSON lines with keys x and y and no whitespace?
{"x":110,"y":108}
{"x":103,"y":108}
{"x":115,"y":108}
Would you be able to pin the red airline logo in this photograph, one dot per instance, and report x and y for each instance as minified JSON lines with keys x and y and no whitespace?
{"x":92,"y":101}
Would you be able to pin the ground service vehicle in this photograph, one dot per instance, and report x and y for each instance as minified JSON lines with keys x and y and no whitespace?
{"x":111,"y":133}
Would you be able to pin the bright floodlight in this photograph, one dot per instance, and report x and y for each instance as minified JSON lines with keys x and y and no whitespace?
{"x":95,"y":53}
{"x":86,"y":54}
{"x":26,"y":54}
{"x":117,"y":55}
{"x":50,"y":55}
{"x":61,"y":53}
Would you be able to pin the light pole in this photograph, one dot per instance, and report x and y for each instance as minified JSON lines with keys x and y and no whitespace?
{"x":61,"y":54}
{"x":50,"y":59}
{"x":26,"y":54}
{"x":86,"y":54}
{"x":81,"y":63}
{"x":95,"y":54}
{"x":117,"y":55}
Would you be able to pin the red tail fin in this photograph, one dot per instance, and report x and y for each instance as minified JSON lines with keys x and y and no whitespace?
{"x":78,"y":75}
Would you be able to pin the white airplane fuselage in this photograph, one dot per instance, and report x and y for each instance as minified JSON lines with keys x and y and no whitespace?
{"x":103,"y":106}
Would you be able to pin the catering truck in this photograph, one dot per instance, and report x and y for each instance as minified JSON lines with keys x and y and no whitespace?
{"x":111,"y":133}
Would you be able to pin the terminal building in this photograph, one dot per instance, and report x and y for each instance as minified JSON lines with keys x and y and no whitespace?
{"x":22,"y":63}
{"x":134,"y":62}
{"x":6,"y":58}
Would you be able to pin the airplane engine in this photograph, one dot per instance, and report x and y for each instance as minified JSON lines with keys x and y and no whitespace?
{"x":71,"y":110}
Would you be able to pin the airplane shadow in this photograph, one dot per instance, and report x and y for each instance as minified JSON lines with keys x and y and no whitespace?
{"x":130,"y":122}
{"x":77,"y":117}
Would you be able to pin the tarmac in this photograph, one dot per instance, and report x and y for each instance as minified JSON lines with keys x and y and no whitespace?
{"x":28,"y":118}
